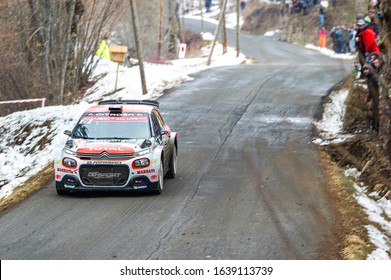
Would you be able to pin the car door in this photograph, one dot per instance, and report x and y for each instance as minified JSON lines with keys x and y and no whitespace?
{"x":163,"y":138}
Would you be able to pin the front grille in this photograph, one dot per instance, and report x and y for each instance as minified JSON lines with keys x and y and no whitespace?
{"x":104,"y":175}
{"x":104,"y":155}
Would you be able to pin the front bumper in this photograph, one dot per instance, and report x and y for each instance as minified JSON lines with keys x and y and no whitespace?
{"x":137,"y":183}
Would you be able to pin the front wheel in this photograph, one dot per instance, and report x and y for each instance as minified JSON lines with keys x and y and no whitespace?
{"x":160,"y":179}
{"x":173,"y":165}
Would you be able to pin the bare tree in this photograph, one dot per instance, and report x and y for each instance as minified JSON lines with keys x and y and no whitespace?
{"x":48,"y":47}
{"x":53,"y":45}
{"x":149,"y":23}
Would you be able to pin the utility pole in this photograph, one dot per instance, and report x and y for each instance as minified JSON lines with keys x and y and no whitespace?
{"x":159,"y":44}
{"x":202,"y":17}
{"x":237,"y":28}
{"x":216,"y":33}
{"x":225,"y":43}
{"x":139,"y":49}
{"x":183,"y":22}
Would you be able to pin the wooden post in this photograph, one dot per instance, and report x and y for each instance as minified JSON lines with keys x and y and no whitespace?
{"x":202,"y":17}
{"x":117,"y":54}
{"x":216,"y":33}
{"x":183,"y":23}
{"x":225,"y":43}
{"x":159,"y":44}
{"x":237,"y":28}
{"x":139,"y":49}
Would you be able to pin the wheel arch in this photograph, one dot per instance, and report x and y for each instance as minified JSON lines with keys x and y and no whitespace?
{"x":174,"y":140}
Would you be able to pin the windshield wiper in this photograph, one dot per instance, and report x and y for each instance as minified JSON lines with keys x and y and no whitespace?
{"x":81,"y":137}
{"x":113,"y":138}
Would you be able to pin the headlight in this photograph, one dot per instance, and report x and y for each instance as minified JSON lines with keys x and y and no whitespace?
{"x":69,"y":162}
{"x":69,"y":152}
{"x":140,"y":163}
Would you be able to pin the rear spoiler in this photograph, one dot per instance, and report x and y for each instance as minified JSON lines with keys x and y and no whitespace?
{"x":141,"y":102}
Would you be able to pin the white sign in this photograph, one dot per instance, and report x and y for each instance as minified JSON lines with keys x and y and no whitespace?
{"x":182,"y":51}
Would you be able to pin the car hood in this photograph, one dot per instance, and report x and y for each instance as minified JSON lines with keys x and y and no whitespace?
{"x":111,"y":147}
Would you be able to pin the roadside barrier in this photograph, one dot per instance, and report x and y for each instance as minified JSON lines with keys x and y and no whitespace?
{"x":43,"y":100}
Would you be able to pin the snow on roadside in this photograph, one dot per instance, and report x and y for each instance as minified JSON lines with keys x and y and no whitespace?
{"x":28,"y":142}
{"x":330,"y":129}
{"x":30,"y":139}
{"x":379,"y":213}
{"x":331,"y":53}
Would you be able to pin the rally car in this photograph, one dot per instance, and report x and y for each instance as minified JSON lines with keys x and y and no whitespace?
{"x":117,"y":145}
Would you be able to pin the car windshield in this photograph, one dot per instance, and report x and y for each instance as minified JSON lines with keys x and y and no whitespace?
{"x":113,"y":127}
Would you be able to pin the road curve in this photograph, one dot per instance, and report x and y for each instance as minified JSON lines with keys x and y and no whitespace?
{"x":249,"y":184}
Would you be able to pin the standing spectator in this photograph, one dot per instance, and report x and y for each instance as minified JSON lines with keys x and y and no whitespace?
{"x":322,"y":37}
{"x":373,"y":21}
{"x":292,"y":6}
{"x":345,"y":39}
{"x":375,"y":62}
{"x":372,"y":57}
{"x":367,"y":39}
{"x":208,"y":5}
{"x":242,"y":4}
{"x":334,"y":3}
{"x":306,"y":6}
{"x":337,"y":39}
{"x":373,"y":95}
{"x":103,"y":49}
{"x":296,"y":6}
{"x":324,"y":3}
{"x":372,"y":4}
{"x":352,"y":40}
{"x":322,"y":11}
{"x":334,"y":38}
{"x":360,"y":16}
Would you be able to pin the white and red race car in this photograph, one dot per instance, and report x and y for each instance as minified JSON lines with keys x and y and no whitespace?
{"x":117,"y":145}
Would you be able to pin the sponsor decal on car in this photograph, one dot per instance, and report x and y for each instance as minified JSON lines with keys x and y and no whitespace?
{"x":139,"y":187}
{"x":146,"y":171}
{"x":103,"y":175}
{"x":110,"y":150}
{"x":88,"y":119}
{"x":65,"y":170}
{"x":104,"y":162}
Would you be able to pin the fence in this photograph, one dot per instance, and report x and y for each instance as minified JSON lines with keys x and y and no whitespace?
{"x":43,"y":100}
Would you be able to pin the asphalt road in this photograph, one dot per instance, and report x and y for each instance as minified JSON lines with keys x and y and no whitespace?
{"x":249,"y":184}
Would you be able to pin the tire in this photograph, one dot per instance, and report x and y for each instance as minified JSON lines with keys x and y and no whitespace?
{"x":160,"y":183}
{"x":62,"y":192}
{"x":173,"y":165}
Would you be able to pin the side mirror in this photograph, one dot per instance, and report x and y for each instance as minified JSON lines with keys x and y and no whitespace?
{"x":68,"y":132}
{"x":165,"y":132}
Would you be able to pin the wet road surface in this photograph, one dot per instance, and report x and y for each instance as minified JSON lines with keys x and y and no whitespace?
{"x":249,"y":182}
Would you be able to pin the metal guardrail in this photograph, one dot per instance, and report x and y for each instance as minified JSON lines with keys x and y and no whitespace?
{"x":43,"y":100}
